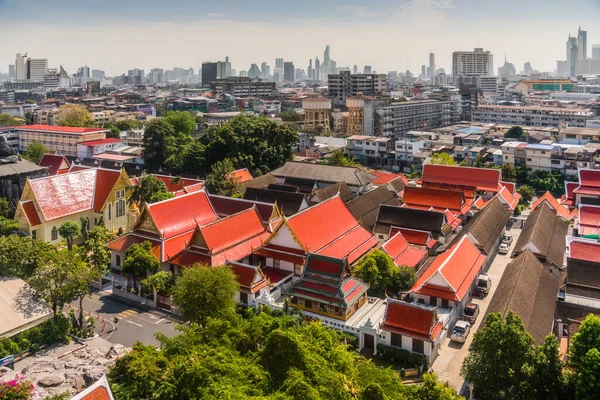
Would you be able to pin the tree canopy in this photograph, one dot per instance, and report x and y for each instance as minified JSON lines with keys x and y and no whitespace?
{"x":21,"y":257}
{"x":442,"y":159}
{"x":9,"y":120}
{"x":340,"y":159}
{"x":35,"y":151}
{"x":221,"y":182}
{"x":181,"y":121}
{"x":516,"y":132}
{"x":149,"y":189}
{"x":68,"y":231}
{"x":291,"y":116}
{"x":140,"y":261}
{"x":74,"y":115}
{"x":201,"y":292}
{"x":381,"y":274}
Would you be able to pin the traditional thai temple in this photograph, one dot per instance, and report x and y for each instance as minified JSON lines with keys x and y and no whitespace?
{"x":56,"y":163}
{"x":98,"y":196}
{"x":327,"y":228}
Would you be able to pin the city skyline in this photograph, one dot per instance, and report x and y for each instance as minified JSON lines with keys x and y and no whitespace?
{"x":138,"y":37}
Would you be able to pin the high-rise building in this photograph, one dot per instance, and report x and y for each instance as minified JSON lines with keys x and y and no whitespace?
{"x":355,"y":69}
{"x":37,"y":68}
{"x":572,"y":55}
{"x":527,"y":69}
{"x":98,"y":74}
{"x":278,"y":70}
{"x":596,"y":52}
{"x":581,"y":44}
{"x":343,"y":85}
{"x":326,"y":63}
{"x":289,"y":72}
{"x":254,"y":71}
{"x":367,"y":69}
{"x":472,"y":63}
{"x":309,"y":72}
{"x":423,"y":71}
{"x":508,"y":70}
{"x":317,"y":74}
{"x":211,"y":71}
{"x":11,"y":72}
{"x":562,"y":69}
{"x":431,"y":66}
{"x":155,"y":77}
{"x":21,"y":67}
{"x":228,"y":71}
{"x":264,"y":70}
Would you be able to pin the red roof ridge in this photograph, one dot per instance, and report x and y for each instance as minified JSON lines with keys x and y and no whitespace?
{"x":453,"y":251}
{"x":337,"y":195}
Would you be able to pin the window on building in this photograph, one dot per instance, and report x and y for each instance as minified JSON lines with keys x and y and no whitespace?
{"x":54,"y":233}
{"x":109,"y":212}
{"x":34,"y":234}
{"x":243,"y":298}
{"x":120,"y":208}
{"x":119,"y":194}
{"x":118,"y":260}
{"x":418,"y":346}
{"x":445,"y":303}
{"x":529,"y":159}
{"x":433,"y":301}
{"x":396,"y":340}
{"x":307,"y":303}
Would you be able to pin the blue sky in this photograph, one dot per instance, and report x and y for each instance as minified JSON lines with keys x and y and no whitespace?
{"x":387,"y":34}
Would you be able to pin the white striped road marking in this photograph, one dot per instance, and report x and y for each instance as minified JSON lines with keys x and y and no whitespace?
{"x":131,"y":322}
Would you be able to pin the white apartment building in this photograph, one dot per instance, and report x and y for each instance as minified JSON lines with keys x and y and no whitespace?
{"x":539,"y":157}
{"x":37,"y":68}
{"x":531,"y":116}
{"x":371,"y":150}
{"x":407,"y":148}
{"x":508,"y":152}
{"x":472,"y":63}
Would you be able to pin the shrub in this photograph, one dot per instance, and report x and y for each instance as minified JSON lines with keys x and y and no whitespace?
{"x":16,"y":389}
{"x":416,"y":359}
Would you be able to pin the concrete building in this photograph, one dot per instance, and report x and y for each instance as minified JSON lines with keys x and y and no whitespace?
{"x":588,"y":67}
{"x":243,"y":87}
{"x":63,"y":139}
{"x":531,"y":116}
{"x":432,"y":69}
{"x":316,"y":112}
{"x":356,"y":115}
{"x":539,"y":156}
{"x":372,"y":150}
{"x":572,"y":55}
{"x":21,"y":67}
{"x":581,"y":44}
{"x":211,"y":71}
{"x":510,"y":153}
{"x":289,"y":71}
{"x":472,"y":63}
{"x":395,"y":119}
{"x":406,"y":149}
{"x":551,"y":84}
{"x":581,"y":134}
{"x":37,"y":68}
{"x":343,"y":85}
{"x":596,"y":52}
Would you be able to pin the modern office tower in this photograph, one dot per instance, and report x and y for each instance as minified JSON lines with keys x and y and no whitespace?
{"x":562,"y":69}
{"x":300,"y":74}
{"x":243,"y":74}
{"x":431,"y":66}
{"x":423,"y":71}
{"x":326,"y":63}
{"x":581,"y":44}
{"x":367,"y":69}
{"x":135,"y":76}
{"x":278,"y":70}
{"x":289,"y":72}
{"x":21,"y":67}
{"x":264,"y":70}
{"x":572,"y":55}
{"x":317,"y":73}
{"x":254,"y":71}
{"x":343,"y":85}
{"x":212,"y":71}
{"x":355,"y":69}
{"x":98,"y":74}
{"x":156,"y":76}
{"x":508,"y":70}
{"x":596,"y":52}
{"x":527,"y":69}
{"x":11,"y":72}
{"x":472,"y":63}
{"x":228,"y":71}
{"x":57,"y":78}
{"x":309,"y":72}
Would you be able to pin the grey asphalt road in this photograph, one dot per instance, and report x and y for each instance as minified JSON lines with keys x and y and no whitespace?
{"x":135,"y":324}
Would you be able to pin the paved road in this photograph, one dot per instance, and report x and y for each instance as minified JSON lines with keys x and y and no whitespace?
{"x":134,"y":323}
{"x":451,"y":355}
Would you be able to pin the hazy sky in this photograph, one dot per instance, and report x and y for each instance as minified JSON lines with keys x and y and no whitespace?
{"x":387,"y":34}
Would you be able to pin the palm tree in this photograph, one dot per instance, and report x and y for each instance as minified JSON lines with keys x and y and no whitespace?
{"x":138,"y":191}
{"x":178,"y":181}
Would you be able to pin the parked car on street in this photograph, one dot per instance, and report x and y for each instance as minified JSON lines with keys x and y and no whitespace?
{"x":508,"y":239}
{"x":503,"y":249}
{"x":461,"y":331}
{"x":483,"y":285}
{"x":470,"y":313}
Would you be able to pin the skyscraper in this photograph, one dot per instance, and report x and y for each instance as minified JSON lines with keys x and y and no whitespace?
{"x":367,"y":69}
{"x":355,"y":69}
{"x":289,"y":72}
{"x":572,"y":55}
{"x":423,"y":71}
{"x":326,"y":63}
{"x":21,"y":67}
{"x":11,"y":72}
{"x":596,"y":52}
{"x":432,"y":66}
{"x":581,"y":44}
{"x":278,"y":70}
{"x":317,"y":73}
{"x":228,"y":67}
{"x":309,"y":72}
{"x":254,"y":71}
{"x":37,"y":68}
{"x":472,"y":63}
{"x":508,"y":70}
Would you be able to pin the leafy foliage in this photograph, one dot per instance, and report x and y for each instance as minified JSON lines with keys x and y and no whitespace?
{"x":127,"y":124}
{"x":68,"y":231}
{"x":291,"y":116}
{"x":221,"y":182}
{"x":201,"y":292}
{"x":35,"y":151}
{"x":160,"y":281}
{"x":340,"y":159}
{"x":21,"y":256}
{"x":9,"y":120}
{"x":4,"y":208}
{"x":548,"y":181}
{"x":16,"y":389}
{"x":181,"y":121}
{"x":379,"y":271}
{"x":139,"y":260}
{"x":74,"y":115}
{"x":50,"y":331}
{"x":516,"y":132}
{"x":442,"y":159}
{"x":8,"y":225}
{"x":509,"y":173}
{"x":149,"y":189}
{"x":527,"y":193}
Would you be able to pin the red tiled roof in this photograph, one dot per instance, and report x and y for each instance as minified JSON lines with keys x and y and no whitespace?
{"x":93,"y":143}
{"x":187,"y":258}
{"x":569,"y":188}
{"x":440,"y":200}
{"x":230,"y":231}
{"x":100,"y":393}
{"x":452,"y":219}
{"x":124,"y":242}
{"x":189,"y":184}
{"x":65,"y":194}
{"x":585,"y":250}
{"x":412,"y":318}
{"x":510,"y":200}
{"x":486,"y":179}
{"x":242,"y":175}
{"x":275,"y":275}
{"x":31,"y":213}
{"x":280,"y":255}
{"x":589,"y":178}
{"x":480,"y":203}
{"x":346,"y":244}
{"x":105,"y":182}
{"x":320,"y":225}
{"x":175,"y":244}
{"x":384,"y":177}
{"x":457,"y":266}
{"x":589,"y":219}
{"x":181,"y":214}
{"x":245,"y":275}
{"x":551,"y":201}
{"x":60,"y":129}
{"x":402,"y":253}
{"x":509,"y":185}
{"x":420,"y":238}
{"x":54,"y":162}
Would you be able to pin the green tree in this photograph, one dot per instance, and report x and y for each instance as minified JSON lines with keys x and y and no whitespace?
{"x":509,"y":173}
{"x":282,"y":353}
{"x":404,"y":278}
{"x":21,"y":256}
{"x":160,"y":281}
{"x":114,"y":132}
{"x":156,"y":134}
{"x":381,"y":274}
{"x":432,"y":389}
{"x":82,"y":275}
{"x":221,"y":182}
{"x":587,"y":380}
{"x":479,"y":162}
{"x":340,"y":159}
{"x":516,"y":132}
{"x":201,"y":292}
{"x":58,"y":280}
{"x":35,"y":151}
{"x":442,"y":159}
{"x":181,"y":121}
{"x":95,"y":249}
{"x":504,"y":363}
{"x":4,"y":207}
{"x":68,"y":231}
{"x":74,"y":115}
{"x":9,"y":120}
{"x":140,"y":261}
{"x":586,"y":339}
{"x":256,"y":143}
{"x":368,"y":272}
{"x":372,"y":392}
{"x":291,"y":116}
{"x":177,"y":181}
{"x":527,"y":193}
{"x":127,"y":124}
{"x":193,"y":156}
{"x":149,"y":189}
{"x":8,"y":225}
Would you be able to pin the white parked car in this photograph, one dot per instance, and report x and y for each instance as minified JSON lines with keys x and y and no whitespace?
{"x":507,"y":239}
{"x":461,"y":331}
{"x":503,"y":249}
